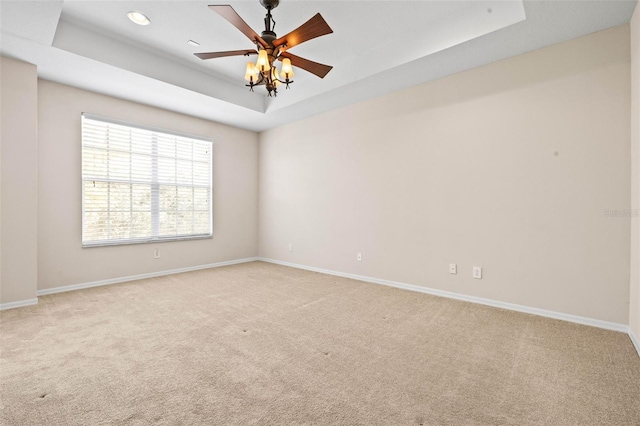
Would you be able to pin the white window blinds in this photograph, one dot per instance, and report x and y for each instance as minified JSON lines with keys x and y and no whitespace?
{"x":143,"y":185}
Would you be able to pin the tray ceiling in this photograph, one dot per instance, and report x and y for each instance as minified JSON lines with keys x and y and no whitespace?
{"x":377,"y":47}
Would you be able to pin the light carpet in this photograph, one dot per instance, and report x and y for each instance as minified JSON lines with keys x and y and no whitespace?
{"x":264,"y":344}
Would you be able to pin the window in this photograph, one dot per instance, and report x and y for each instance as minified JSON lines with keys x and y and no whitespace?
{"x":143,"y":185}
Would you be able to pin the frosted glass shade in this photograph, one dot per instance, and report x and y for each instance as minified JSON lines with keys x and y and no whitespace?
{"x":274,"y":77}
{"x":262,"y":64}
{"x":287,"y":69}
{"x":251,"y":73}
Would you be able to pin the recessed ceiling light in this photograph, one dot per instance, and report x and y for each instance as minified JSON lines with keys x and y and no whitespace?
{"x":193,"y":43}
{"x":138,"y":18}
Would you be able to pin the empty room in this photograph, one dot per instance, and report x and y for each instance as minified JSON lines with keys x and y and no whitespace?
{"x":279,"y":212}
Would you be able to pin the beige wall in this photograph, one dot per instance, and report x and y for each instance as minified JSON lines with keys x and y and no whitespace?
{"x":19,"y":146}
{"x":510,"y":166}
{"x":62,"y":261}
{"x":634,"y":305}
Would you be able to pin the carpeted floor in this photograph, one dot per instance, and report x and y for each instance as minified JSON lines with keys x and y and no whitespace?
{"x":268,"y":345}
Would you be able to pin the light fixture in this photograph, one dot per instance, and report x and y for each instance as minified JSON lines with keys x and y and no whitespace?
{"x":193,"y":43}
{"x":264,"y":72}
{"x":271,"y":48}
{"x":138,"y":18}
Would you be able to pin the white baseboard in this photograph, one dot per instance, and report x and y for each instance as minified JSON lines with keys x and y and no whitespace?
{"x":141,"y":276}
{"x":634,"y":340}
{"x":496,"y":304}
{"x":435,"y":292}
{"x":18,"y":304}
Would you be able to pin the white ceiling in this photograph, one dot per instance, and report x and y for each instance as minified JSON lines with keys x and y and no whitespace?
{"x":377,"y":47}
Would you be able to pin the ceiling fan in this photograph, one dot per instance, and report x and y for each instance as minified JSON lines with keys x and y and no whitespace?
{"x":270,"y":48}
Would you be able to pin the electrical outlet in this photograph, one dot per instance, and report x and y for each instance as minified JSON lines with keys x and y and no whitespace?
{"x":156,"y":253}
{"x":453,"y":268}
{"x":290,"y":246}
{"x":359,"y":257}
{"x":477,"y":272}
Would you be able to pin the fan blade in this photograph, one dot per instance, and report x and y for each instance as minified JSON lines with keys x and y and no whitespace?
{"x":211,"y":55}
{"x":314,"y":27}
{"x":313,"y":67}
{"x":228,"y":13}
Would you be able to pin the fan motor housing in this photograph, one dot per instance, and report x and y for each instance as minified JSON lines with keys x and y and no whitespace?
{"x":269,"y":36}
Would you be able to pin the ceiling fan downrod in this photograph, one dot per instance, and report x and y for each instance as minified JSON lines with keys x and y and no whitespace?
{"x":268,"y":19}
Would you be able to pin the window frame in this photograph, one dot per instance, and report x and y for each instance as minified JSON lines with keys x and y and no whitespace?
{"x":152,"y":239}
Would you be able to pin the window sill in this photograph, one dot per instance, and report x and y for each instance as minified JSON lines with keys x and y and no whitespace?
{"x":145,"y":241}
